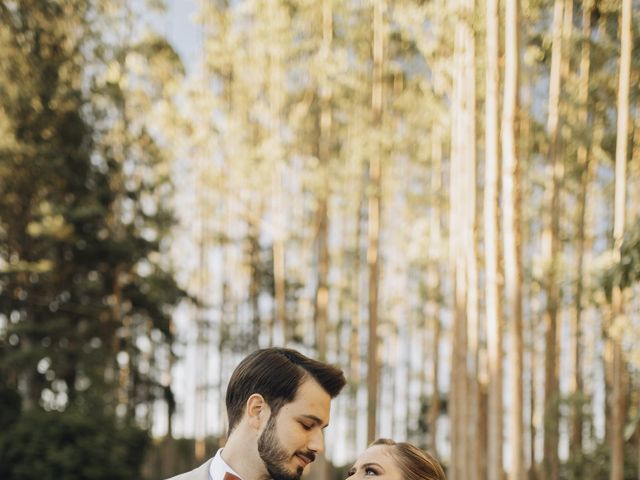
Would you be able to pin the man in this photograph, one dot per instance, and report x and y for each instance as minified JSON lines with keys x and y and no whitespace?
{"x":278,"y":403}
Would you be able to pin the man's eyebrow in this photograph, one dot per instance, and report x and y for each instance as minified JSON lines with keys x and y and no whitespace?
{"x":314,"y":419}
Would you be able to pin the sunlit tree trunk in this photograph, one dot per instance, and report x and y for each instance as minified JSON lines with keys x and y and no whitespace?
{"x":434,"y":405}
{"x":200,"y":397}
{"x":492,"y":246}
{"x":372,"y":261}
{"x":356,"y":321}
{"x":533,"y":413}
{"x":434,"y":290}
{"x":583,"y":159}
{"x":255,"y":280}
{"x":617,"y":395}
{"x":474,"y":441}
{"x":407,"y":352}
{"x":356,"y":194}
{"x":278,"y":264}
{"x":532,"y":292}
{"x":551,"y":249}
{"x":634,"y":171}
{"x":459,"y":242}
{"x":324,"y":155}
{"x":373,"y":232}
{"x":204,"y":247}
{"x":565,"y":110}
{"x":280,"y":22}
{"x":512,"y":255}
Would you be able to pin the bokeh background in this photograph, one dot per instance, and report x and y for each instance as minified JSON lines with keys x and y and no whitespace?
{"x":440,"y":196}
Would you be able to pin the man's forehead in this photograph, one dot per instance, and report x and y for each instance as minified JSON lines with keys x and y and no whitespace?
{"x":311,"y":401}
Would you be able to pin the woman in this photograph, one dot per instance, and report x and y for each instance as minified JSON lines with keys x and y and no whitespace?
{"x":389,"y":460}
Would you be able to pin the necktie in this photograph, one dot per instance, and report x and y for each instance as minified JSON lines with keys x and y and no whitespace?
{"x":231,"y":476}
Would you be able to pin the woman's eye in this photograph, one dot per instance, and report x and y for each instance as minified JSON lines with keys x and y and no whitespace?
{"x":305,"y":426}
{"x":370,"y":472}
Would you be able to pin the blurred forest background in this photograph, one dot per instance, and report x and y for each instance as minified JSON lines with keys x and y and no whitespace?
{"x":440,"y":196}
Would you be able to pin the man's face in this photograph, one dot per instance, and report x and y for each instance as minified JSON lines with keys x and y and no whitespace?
{"x":291,"y":439}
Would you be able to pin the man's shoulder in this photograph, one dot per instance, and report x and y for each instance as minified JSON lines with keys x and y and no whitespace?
{"x":200,"y":473}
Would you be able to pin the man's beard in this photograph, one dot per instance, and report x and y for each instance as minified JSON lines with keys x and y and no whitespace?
{"x":274,"y":456}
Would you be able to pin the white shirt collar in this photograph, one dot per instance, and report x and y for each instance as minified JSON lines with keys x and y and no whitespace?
{"x":218,"y":467}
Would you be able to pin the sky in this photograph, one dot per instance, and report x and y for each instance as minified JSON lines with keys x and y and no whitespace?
{"x":182,"y":31}
{"x":178,"y":25}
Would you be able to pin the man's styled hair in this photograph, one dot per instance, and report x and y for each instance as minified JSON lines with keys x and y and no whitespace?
{"x":415,"y":464}
{"x":276,"y":374}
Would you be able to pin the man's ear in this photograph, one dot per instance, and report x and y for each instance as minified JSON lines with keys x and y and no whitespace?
{"x":257,"y":411}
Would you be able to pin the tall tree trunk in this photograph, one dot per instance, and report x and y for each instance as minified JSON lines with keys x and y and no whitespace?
{"x":434,"y":287}
{"x":356,"y":321}
{"x":617,"y":308}
{"x":204,"y":246}
{"x":512,"y":255}
{"x":324,"y":155}
{"x":255,"y":280}
{"x":491,"y":239}
{"x":634,"y":171}
{"x":276,"y":158}
{"x":576,"y":388}
{"x":459,"y":242}
{"x":471,"y":233}
{"x":533,"y":414}
{"x":412,"y":332}
{"x":533,"y":289}
{"x":354,"y":274}
{"x":374,"y":217}
{"x":551,"y":248}
{"x":434,"y":404}
{"x":280,"y":316}
{"x":372,"y":261}
{"x":392,"y":339}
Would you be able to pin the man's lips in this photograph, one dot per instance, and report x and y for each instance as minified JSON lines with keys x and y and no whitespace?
{"x":305,"y":458}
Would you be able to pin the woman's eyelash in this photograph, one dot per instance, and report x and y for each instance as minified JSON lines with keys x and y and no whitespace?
{"x":367,"y":471}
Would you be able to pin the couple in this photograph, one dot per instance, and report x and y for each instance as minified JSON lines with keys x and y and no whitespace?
{"x":278,"y":403}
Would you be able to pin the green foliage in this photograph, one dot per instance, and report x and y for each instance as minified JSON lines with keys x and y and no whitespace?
{"x":69,"y":445}
{"x":626,"y":271}
{"x":10,"y":406}
{"x":596,"y":464}
{"x":83,"y":216}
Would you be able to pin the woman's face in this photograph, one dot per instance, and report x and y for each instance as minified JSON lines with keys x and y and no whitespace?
{"x":376,"y":461}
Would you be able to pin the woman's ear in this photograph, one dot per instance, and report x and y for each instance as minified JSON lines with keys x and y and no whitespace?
{"x":257,"y":411}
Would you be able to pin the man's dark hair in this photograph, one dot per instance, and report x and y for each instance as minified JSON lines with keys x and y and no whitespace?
{"x":276,"y":374}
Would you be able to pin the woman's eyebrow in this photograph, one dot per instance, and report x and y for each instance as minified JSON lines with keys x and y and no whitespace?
{"x":371,"y":464}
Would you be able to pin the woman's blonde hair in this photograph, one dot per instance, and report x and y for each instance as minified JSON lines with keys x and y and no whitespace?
{"x":414,"y":463}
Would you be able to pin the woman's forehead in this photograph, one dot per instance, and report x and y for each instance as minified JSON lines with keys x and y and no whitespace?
{"x":377,"y":454}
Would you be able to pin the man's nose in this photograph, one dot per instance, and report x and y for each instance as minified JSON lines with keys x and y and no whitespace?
{"x":316,"y":443}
